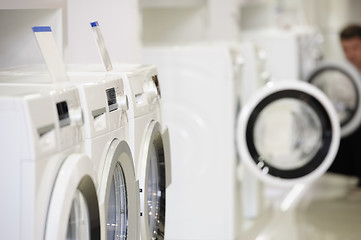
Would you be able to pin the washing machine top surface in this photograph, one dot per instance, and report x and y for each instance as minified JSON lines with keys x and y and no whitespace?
{"x":100,"y":93}
{"x":141,"y":84}
{"x":39,"y":135}
{"x":66,"y":103}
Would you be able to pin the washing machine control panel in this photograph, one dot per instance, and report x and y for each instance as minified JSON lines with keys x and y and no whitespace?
{"x":123,"y":102}
{"x":63,"y":113}
{"x":112,"y":99}
{"x":70,"y":116}
{"x":150,"y":89}
{"x":156,"y":83}
{"x":76,"y":116}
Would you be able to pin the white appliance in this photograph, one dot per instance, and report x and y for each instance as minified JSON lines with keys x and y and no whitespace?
{"x":199,"y":107}
{"x":150,"y":143}
{"x":288,"y":133}
{"x":48,"y":184}
{"x":105,"y":142}
{"x":291,"y":53}
{"x":105,"y":136}
{"x":148,"y":139}
{"x":341,"y":82}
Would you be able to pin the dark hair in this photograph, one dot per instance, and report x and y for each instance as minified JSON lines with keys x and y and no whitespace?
{"x":350,"y":31}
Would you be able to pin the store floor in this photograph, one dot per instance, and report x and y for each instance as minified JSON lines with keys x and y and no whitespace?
{"x":329,"y":209}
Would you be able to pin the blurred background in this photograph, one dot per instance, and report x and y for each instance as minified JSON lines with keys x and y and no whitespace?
{"x":136,"y":31}
{"x":128,"y":25}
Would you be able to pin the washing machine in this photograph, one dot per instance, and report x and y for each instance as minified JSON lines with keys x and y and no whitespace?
{"x":299,"y":48}
{"x":149,"y":140}
{"x":48,"y":184}
{"x":288,"y":133}
{"x":341,"y":82}
{"x":199,"y":108}
{"x":105,"y":143}
{"x":105,"y":136}
{"x":151,"y":148}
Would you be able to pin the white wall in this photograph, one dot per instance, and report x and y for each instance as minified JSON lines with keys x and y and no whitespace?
{"x":120,"y":25}
{"x":17,"y":43}
{"x":70,"y":22}
{"x":189,"y":21}
{"x":31,"y":4}
{"x":224,"y":17}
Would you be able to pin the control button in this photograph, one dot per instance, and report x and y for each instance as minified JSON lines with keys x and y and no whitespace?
{"x":76,"y":116}
{"x":150,"y":89}
{"x":123,"y":102}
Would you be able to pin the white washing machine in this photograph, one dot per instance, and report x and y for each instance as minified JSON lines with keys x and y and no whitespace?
{"x":291,"y":53}
{"x":105,"y":142}
{"x":288,"y":133}
{"x":149,"y":141}
{"x":199,"y":108}
{"x":341,"y":82}
{"x":151,"y":148}
{"x":105,"y":138}
{"x":48,"y":184}
{"x":252,"y":69}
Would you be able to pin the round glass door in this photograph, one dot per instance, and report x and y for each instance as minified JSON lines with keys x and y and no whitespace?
{"x":154,"y":193}
{"x":119,"y":194}
{"x":288,"y":133}
{"x":154,"y":180}
{"x":117,"y":220}
{"x":342,"y":85}
{"x":74,"y":208}
{"x":78,"y":225}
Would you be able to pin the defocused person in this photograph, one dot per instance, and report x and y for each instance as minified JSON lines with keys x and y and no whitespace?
{"x":350,"y":38}
{"x":348,"y":159}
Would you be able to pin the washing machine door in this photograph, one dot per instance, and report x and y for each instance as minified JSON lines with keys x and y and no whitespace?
{"x":341,"y":82}
{"x":288,"y":133}
{"x":153,"y":183}
{"x":167,"y":157}
{"x":74,"y":211}
{"x":119,"y":194}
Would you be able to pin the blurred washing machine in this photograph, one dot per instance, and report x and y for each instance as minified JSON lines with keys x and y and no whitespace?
{"x":200,"y":109}
{"x":105,"y":142}
{"x":291,"y":53}
{"x":48,"y":184}
{"x":253,"y":69}
{"x":149,"y":140}
{"x":288,"y":133}
{"x":341,"y":82}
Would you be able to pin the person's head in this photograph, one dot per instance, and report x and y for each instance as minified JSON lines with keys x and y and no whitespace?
{"x":350,"y":38}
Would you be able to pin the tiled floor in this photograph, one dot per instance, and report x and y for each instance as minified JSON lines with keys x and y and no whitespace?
{"x":329,"y":209}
